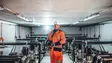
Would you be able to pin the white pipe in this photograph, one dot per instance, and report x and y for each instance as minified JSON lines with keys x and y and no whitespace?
{"x":96,"y":14}
{"x":18,"y":15}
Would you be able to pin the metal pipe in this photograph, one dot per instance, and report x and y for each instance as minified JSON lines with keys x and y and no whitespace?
{"x":19,"y":43}
{"x":39,"y":50}
{"x":94,"y":42}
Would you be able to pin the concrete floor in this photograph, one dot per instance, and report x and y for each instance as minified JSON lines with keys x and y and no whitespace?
{"x":66,"y":59}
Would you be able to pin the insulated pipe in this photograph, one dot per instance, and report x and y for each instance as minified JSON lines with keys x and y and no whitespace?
{"x":95,"y":14}
{"x":2,"y":7}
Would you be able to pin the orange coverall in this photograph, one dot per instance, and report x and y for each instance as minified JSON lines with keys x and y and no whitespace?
{"x":59,"y":36}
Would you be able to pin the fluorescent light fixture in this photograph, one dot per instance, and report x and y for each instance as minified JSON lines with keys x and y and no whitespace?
{"x":22,"y":17}
{"x":93,"y":16}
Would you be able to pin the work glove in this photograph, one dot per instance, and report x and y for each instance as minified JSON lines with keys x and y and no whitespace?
{"x":57,"y":49}
{"x":49,"y":42}
{"x":57,"y":43}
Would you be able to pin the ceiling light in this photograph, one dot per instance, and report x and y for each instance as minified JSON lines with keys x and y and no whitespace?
{"x":47,"y":27}
{"x":93,"y":16}
{"x":47,"y":21}
{"x":76,"y":22}
{"x":47,"y":18}
{"x":22,"y":17}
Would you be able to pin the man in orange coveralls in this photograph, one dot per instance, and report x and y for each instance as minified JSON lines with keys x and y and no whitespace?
{"x":55,"y":40}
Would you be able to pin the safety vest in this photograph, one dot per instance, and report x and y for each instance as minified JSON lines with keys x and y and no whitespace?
{"x":58,"y":36}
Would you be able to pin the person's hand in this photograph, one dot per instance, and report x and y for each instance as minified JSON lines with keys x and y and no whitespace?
{"x":49,"y":43}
